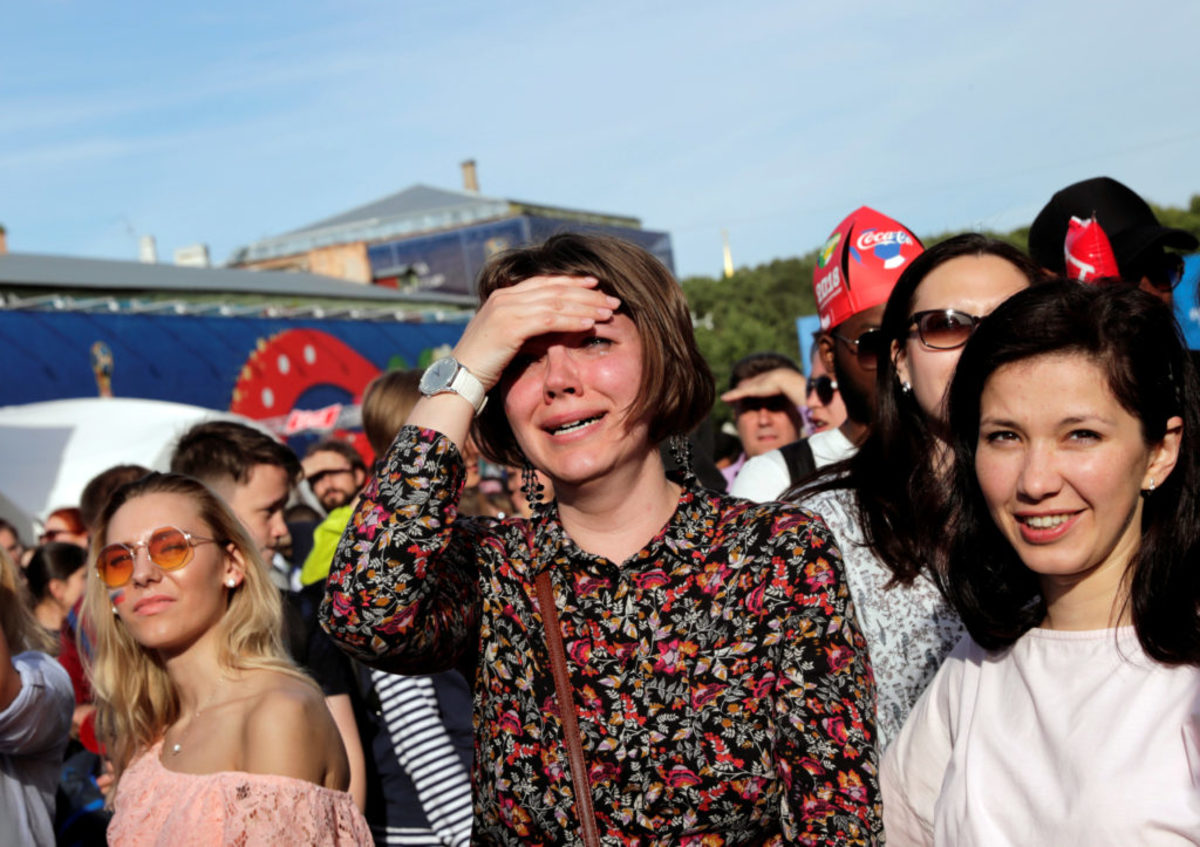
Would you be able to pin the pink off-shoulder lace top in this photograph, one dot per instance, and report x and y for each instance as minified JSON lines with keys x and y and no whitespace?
{"x":157,"y":806}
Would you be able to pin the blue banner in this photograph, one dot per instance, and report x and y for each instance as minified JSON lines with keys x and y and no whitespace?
{"x":261,"y":367}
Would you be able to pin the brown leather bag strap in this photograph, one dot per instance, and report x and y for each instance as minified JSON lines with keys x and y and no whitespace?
{"x":580,"y":784}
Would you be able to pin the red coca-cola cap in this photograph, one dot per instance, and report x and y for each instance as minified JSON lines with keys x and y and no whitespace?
{"x":860,"y":263}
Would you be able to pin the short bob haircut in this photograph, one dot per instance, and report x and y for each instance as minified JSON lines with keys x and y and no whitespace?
{"x":901,"y":500}
{"x":1133,"y":337}
{"x":135,"y":699}
{"x":677,"y":387}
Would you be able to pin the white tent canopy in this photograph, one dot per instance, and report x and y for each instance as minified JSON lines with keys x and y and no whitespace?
{"x":49,"y":451}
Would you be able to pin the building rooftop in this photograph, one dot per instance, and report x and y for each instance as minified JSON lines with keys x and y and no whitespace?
{"x":38,"y":272}
{"x":415,"y":210}
{"x":34,"y":282}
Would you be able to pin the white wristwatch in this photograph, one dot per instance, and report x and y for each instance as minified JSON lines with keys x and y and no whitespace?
{"x":449,"y":375}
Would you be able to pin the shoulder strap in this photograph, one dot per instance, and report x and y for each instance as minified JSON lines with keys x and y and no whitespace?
{"x":580,"y":784}
{"x":799,"y":458}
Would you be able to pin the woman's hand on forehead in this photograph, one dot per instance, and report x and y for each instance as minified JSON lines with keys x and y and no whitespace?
{"x":540,"y":305}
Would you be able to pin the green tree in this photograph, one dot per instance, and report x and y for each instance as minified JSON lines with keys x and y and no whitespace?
{"x":754,"y":310}
{"x":1186,"y":219}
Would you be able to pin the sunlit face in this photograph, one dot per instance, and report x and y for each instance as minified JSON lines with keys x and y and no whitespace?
{"x":972,"y":284}
{"x":333,"y":480}
{"x":170,"y":610}
{"x":567,"y":397}
{"x":259,"y":504}
{"x":766,"y":423}
{"x":1062,"y":465}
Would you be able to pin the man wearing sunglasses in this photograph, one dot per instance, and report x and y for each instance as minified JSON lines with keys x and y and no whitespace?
{"x":1138,"y":240}
{"x":856,"y":271}
{"x":336,"y":473}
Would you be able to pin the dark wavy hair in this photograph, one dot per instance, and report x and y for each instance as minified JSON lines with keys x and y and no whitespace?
{"x":901,"y":497}
{"x":677,"y":386}
{"x":1134,"y":338}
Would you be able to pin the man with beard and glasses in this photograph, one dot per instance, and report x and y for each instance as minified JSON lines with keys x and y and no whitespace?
{"x":335,"y":473}
{"x":856,"y":271}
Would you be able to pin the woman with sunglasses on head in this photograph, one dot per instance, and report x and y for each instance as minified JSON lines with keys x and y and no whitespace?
{"x":215,"y":736}
{"x":654,"y":663}
{"x":883,"y":503}
{"x":65,"y":525}
{"x":1072,"y":714}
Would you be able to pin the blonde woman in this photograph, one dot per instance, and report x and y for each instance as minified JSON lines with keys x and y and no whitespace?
{"x":36,"y":701}
{"x":196,"y":699}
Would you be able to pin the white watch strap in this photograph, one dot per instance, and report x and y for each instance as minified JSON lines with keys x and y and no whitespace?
{"x":469,"y":387}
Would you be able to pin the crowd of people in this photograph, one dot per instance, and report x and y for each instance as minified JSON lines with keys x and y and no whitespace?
{"x":940,"y":590}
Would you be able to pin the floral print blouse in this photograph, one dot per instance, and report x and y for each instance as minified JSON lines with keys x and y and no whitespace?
{"x":910,"y":629}
{"x":721,"y":684}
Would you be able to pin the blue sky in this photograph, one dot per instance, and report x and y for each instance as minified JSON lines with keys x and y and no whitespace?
{"x":222,"y":122}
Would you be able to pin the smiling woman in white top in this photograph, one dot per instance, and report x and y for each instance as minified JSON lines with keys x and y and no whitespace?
{"x":1070,"y":715}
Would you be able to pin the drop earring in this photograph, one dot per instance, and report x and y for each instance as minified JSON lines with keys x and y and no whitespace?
{"x":681,"y":452}
{"x":531,"y":487}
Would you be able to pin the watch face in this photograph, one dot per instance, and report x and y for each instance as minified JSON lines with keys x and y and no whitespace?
{"x":437,"y":376}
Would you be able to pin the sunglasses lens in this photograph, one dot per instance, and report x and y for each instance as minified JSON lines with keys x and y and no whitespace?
{"x":945,"y":330}
{"x":823,"y":387}
{"x":1163,"y":270}
{"x":169,"y":548}
{"x":114,"y":564}
{"x":1171,"y":274}
{"x":868,"y":348}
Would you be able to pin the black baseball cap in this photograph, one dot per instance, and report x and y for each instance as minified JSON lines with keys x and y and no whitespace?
{"x":1125,"y":217}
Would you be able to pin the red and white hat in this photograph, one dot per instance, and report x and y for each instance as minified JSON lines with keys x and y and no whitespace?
{"x":860,"y":263}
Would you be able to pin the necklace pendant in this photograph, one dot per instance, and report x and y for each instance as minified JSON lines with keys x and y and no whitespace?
{"x":175,"y":748}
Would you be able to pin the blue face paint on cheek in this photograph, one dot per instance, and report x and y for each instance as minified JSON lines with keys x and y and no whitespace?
{"x":117,"y":596}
